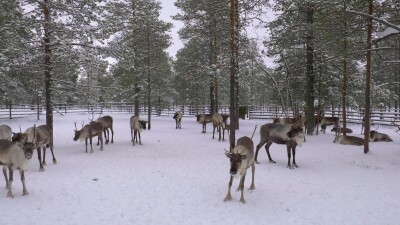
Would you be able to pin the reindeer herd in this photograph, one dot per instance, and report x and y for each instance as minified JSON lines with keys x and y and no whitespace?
{"x":16,"y":148}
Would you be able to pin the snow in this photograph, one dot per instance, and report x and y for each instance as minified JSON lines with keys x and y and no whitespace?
{"x":181,"y":177}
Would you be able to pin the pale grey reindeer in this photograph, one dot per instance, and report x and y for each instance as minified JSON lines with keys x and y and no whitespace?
{"x":41,"y":138}
{"x":203,"y":119}
{"x":88,"y":132}
{"x":241,"y":158}
{"x":107,"y":123}
{"x":178,"y":119}
{"x":5,"y":132}
{"x":281,"y":134}
{"x":348,"y":140}
{"x":15,"y":155}
{"x":137,"y":126}
{"x":219,"y":123}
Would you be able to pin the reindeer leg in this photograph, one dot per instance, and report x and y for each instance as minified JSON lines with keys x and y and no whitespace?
{"x":101,"y":141}
{"x":241,"y":183}
{"x":267,"y":149}
{"x":257,"y":149}
{"x":213,"y":131}
{"x":112,"y":134}
{"x":294,"y":156}
{"x":140,"y":138}
{"x":219,"y":134}
{"x":288,"y":146}
{"x":242,"y":187}
{"x":91,"y":146}
{"x":44,"y":155}
{"x":228,"y":195}
{"x":5,"y":176}
{"x":52,"y":153}
{"x":22,"y":175}
{"x":133,"y":142}
{"x":86,"y":145}
{"x":253,"y":169}
{"x":39,"y":151}
{"x":11,"y":178}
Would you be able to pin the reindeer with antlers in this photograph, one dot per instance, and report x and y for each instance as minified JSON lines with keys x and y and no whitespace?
{"x":88,"y":132}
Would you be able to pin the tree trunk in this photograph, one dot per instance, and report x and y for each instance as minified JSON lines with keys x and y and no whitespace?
{"x":233,"y":71}
{"x":136,"y":97}
{"x":47,"y":67}
{"x":148,"y":79}
{"x":310,"y":92}
{"x":344,"y":90}
{"x":212,"y":74}
{"x":368,"y":80}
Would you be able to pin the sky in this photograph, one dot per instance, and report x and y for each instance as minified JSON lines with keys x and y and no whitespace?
{"x":180,"y":176}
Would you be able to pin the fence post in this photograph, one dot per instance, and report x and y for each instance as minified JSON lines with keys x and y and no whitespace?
{"x":10,"y":105}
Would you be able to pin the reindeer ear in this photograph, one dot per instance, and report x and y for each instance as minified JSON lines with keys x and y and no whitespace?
{"x":228,"y":154}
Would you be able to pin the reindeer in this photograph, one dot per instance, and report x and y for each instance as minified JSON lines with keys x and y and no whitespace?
{"x":41,"y":137}
{"x":363,"y":124}
{"x":325,"y":121}
{"x":15,"y":155}
{"x":281,"y":134}
{"x":88,"y":132}
{"x":204,"y":119}
{"x":241,"y":158}
{"x":219,"y":122}
{"x":341,"y":130}
{"x":297,"y":121}
{"x":6,"y":132}
{"x":348,"y":140}
{"x":107,"y":123}
{"x":178,"y":119}
{"x":375,"y":136}
{"x":136,"y":128}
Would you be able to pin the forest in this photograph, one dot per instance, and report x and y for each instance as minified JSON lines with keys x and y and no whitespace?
{"x":326,"y":54}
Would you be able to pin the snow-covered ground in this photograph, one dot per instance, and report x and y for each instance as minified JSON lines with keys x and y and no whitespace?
{"x":181,"y":177}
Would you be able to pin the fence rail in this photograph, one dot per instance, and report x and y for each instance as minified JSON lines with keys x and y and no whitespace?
{"x":378,"y":116}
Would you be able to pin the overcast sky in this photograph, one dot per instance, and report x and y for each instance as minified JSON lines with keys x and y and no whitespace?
{"x":167,"y":11}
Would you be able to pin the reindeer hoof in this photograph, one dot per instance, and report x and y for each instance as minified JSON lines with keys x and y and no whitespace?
{"x":228,"y":198}
{"x":242,"y":201}
{"x":54,"y":161}
{"x":252,"y":187}
{"x":271,"y":161}
{"x":25,"y":193}
{"x":10,"y":195}
{"x":41,"y":169}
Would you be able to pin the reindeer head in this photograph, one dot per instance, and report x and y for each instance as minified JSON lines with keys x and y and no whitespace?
{"x":237,"y":160}
{"x":297,"y":135}
{"x":142,"y":124}
{"x":77,"y":132}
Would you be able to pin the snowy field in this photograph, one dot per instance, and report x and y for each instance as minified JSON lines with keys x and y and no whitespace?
{"x":181,"y":177}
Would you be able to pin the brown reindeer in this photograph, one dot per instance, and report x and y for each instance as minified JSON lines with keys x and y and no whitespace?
{"x":341,"y":130}
{"x":375,"y":136}
{"x":178,"y":119}
{"x":137,"y":126}
{"x":88,"y":132}
{"x":203,"y":119}
{"x":281,"y":134}
{"x":107,"y":123}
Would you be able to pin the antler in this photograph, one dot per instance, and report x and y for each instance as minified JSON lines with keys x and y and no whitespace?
{"x":34,"y":132}
{"x":253,"y":132}
{"x":75,"y":126}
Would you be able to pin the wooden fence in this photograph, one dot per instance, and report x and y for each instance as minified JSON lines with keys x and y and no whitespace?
{"x":378,"y":116}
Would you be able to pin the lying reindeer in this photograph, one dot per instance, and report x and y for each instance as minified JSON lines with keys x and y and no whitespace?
{"x":136,"y":128}
{"x":107,"y":123}
{"x":41,"y":137}
{"x":375,"y":136}
{"x":88,"y":132}
{"x":340,"y":130}
{"x":325,"y":121}
{"x":280,"y":134}
{"x":178,"y":119}
{"x":348,"y":140}
{"x":203,"y":119}
{"x":241,"y":158}
{"x":219,"y":122}
{"x":15,"y":155}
